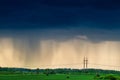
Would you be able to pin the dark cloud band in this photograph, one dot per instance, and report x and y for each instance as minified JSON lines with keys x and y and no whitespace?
{"x":36,"y":14}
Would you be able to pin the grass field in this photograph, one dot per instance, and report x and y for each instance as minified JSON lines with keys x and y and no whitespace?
{"x":44,"y":77}
{"x":58,"y":74}
{"x":56,"y":77}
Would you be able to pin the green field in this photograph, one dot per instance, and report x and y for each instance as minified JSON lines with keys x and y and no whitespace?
{"x":57,"y":77}
{"x":58,"y":74}
{"x":44,"y":77}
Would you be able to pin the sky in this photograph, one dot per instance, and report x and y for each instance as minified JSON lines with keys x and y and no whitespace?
{"x":53,"y":34}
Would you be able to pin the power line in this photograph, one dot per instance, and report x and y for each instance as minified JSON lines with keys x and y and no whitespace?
{"x":63,"y":64}
{"x":104,"y":65}
{"x":85,"y":65}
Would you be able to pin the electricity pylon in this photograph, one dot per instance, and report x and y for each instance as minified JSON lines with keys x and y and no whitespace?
{"x":85,"y":63}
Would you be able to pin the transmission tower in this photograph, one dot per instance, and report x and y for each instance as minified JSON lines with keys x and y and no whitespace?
{"x":85,"y":63}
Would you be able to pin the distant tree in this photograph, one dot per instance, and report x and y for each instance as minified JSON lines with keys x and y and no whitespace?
{"x":37,"y":70}
{"x":111,"y":77}
{"x":68,"y":77}
{"x":97,"y":75}
{"x":47,"y":72}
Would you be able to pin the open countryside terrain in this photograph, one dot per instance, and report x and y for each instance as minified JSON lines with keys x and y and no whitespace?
{"x":44,"y":77}
{"x":58,"y":74}
{"x":57,"y":77}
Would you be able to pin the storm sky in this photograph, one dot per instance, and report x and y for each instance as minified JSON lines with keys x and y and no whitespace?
{"x":45,"y":33}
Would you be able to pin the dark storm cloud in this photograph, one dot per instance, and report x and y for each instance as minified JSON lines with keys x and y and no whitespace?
{"x":60,"y":19}
{"x":17,"y":14}
{"x":34,"y":36}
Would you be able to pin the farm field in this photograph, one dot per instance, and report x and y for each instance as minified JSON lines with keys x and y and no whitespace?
{"x":58,"y":74}
{"x":44,"y":77}
{"x":55,"y":77}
